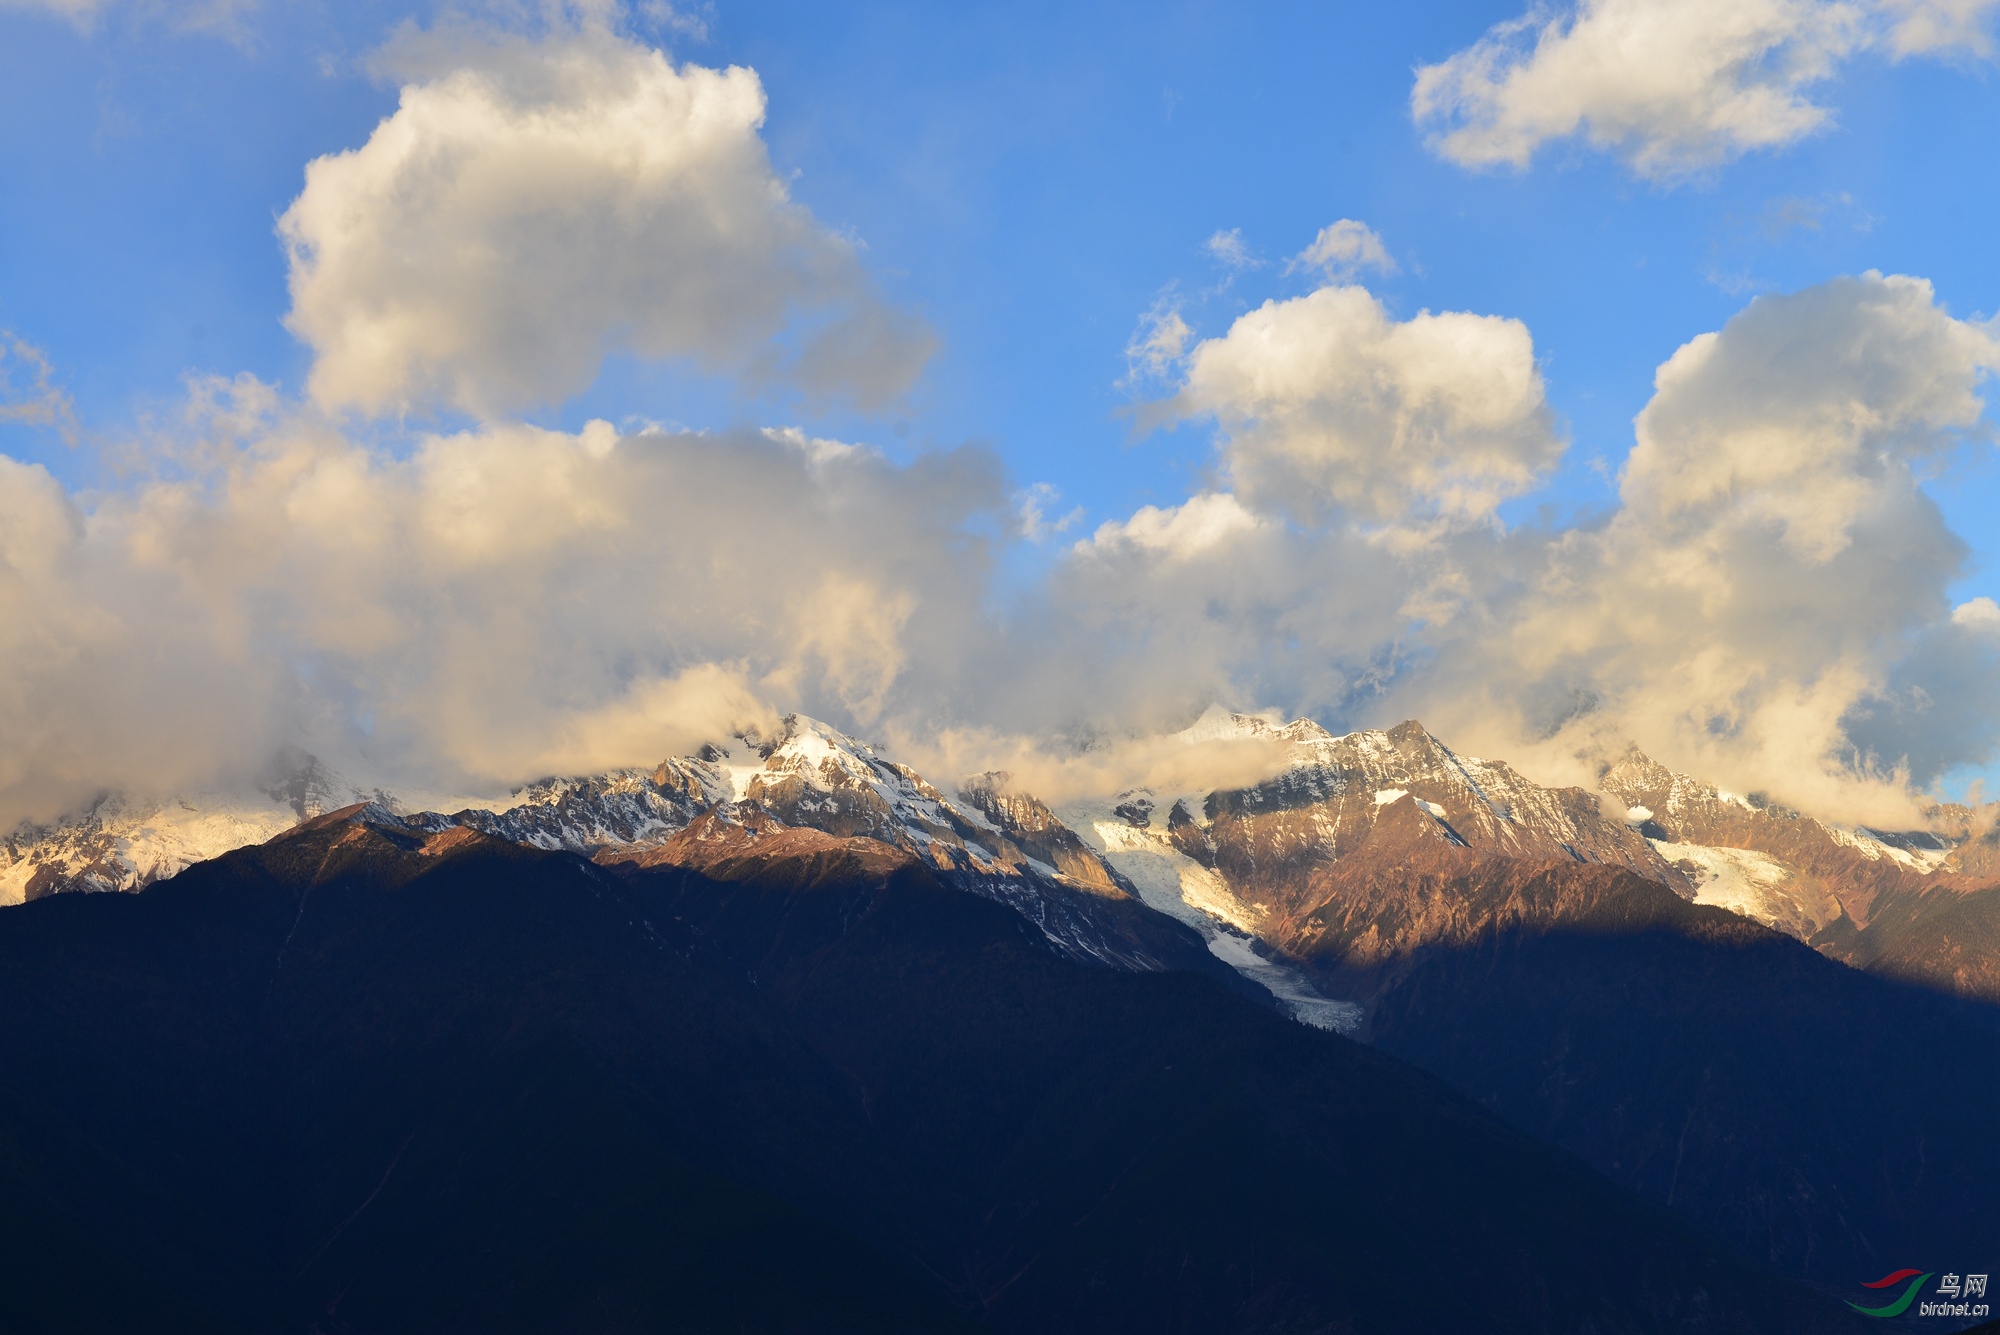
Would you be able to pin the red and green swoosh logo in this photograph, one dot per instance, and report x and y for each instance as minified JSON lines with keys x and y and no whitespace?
{"x":1900,"y":1305}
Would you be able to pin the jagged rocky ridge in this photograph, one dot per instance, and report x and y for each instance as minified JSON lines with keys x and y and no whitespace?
{"x":1258,"y":872}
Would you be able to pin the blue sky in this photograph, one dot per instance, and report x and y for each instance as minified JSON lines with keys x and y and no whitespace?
{"x":1029,"y":179}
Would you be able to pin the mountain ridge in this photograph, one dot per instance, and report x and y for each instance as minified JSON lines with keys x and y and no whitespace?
{"x":393,"y":1073}
{"x":1398,"y":925}
{"x":1245,"y":869}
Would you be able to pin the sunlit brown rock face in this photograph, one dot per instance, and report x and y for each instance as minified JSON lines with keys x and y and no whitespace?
{"x":748,"y":845}
{"x":1975,"y":837}
{"x":1828,"y":868}
{"x":619,"y":809}
{"x":1004,"y":846}
{"x":1399,"y":794}
{"x":744,"y":842}
{"x":1378,"y":912}
{"x":1940,"y":936}
{"x":1034,"y":829}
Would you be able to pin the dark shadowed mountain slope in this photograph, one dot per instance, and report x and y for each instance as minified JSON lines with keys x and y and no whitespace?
{"x":1827,"y":1121}
{"x":372,"y":1078}
{"x":1943,"y":937}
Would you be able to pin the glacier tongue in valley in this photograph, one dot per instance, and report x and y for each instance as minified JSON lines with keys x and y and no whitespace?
{"x":1172,"y":883}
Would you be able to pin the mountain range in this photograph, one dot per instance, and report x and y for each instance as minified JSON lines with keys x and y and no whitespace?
{"x":379,"y":1074}
{"x":1253,"y":870}
{"x":1758,"y":1051}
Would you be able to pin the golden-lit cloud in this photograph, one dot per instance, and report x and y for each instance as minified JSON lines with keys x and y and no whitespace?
{"x":1327,"y":402}
{"x":533,"y":206}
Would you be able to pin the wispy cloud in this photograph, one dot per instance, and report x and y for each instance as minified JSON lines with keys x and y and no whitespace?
{"x":1344,"y":250}
{"x":1158,"y":342}
{"x":29,"y":394}
{"x":227,"y":19}
{"x":1031,"y":509}
{"x":1228,"y":250}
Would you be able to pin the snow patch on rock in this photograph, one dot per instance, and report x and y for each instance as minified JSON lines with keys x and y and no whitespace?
{"x":1755,"y":885}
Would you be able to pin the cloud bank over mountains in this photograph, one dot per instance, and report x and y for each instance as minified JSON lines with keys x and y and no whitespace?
{"x":500,"y":603}
{"x":471,"y":608}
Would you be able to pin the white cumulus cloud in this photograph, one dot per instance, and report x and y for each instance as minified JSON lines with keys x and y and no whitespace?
{"x":1327,"y":401}
{"x":533,"y":206}
{"x":1796,"y":415}
{"x":1981,"y":614}
{"x":1197,"y":526}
